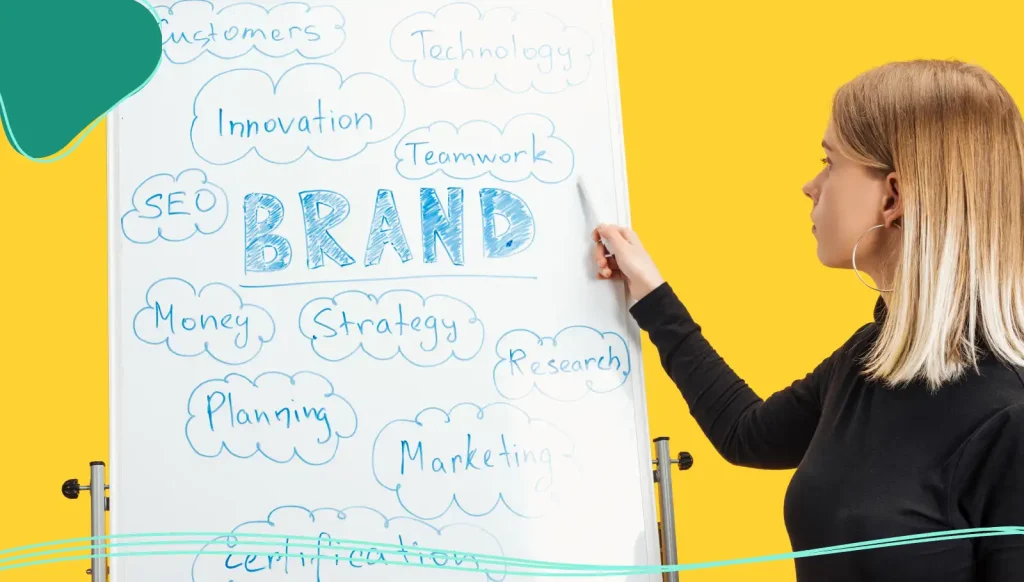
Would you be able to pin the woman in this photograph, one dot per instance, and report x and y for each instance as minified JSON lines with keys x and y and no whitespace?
{"x":916,"y":423}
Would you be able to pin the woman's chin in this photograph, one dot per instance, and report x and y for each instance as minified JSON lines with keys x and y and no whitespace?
{"x":831,"y":261}
{"x":823,"y":257}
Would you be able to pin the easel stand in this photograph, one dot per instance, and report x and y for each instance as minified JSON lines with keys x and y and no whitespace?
{"x":663,"y":477}
{"x":100,"y":504}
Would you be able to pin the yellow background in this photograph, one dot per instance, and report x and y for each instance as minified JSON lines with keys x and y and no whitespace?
{"x":724,"y":106}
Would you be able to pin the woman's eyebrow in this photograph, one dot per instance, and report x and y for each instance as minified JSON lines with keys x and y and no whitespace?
{"x":825,"y":145}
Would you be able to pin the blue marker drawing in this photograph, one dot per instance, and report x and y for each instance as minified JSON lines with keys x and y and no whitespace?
{"x":212,"y":320}
{"x":192,"y":28}
{"x":311,"y":109}
{"x":265,"y":252}
{"x":514,"y":50}
{"x":448,"y":228}
{"x":281,"y":417}
{"x":425,"y":331}
{"x":326,"y":552}
{"x":323,"y":210}
{"x":574,"y":362}
{"x":174,"y":208}
{"x":526,"y":147}
{"x":386,"y":229}
{"x":507,"y":226}
{"x":517,"y":236}
{"x":474,"y":458}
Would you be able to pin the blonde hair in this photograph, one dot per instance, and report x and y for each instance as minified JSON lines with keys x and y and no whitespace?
{"x":956,"y":139}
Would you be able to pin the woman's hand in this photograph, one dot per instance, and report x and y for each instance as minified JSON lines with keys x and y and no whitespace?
{"x":631,"y":262}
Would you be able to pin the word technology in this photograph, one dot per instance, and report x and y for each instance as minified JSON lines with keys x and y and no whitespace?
{"x":322,"y":210}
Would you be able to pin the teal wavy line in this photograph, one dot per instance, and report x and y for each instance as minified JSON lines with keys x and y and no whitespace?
{"x":88,"y":129}
{"x":280,"y":539}
{"x":290,"y":542}
{"x":571,"y":570}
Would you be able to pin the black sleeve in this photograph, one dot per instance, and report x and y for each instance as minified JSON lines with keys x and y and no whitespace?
{"x":988,"y":490}
{"x":768,"y":434}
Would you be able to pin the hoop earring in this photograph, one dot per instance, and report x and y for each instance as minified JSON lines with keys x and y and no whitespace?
{"x":854,"y":258}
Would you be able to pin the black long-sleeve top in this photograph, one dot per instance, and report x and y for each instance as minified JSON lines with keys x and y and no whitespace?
{"x":871,"y":462}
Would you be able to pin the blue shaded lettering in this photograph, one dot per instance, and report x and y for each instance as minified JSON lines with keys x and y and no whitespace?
{"x":507,"y":225}
{"x":258,"y":234}
{"x":385,"y":228}
{"x":318,"y":238}
{"x":436,"y":225}
{"x":518,"y":236}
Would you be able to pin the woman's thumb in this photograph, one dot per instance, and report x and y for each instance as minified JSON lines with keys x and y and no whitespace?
{"x":612,"y":237}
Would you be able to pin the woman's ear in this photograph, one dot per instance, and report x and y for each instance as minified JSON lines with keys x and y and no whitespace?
{"x":892,"y":205}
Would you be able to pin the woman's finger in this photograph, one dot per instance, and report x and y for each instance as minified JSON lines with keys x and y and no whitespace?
{"x":628,"y":234}
{"x":599,"y":255}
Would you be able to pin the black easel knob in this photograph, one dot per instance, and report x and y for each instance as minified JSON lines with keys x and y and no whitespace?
{"x":685,"y":461}
{"x":71,"y":489}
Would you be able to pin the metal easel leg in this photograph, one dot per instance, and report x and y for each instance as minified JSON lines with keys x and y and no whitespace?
{"x":99,"y":504}
{"x":663,"y":477}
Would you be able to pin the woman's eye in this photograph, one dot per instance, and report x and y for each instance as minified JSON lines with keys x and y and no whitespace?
{"x":826,"y":161}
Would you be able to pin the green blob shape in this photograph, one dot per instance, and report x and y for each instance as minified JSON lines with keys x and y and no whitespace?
{"x":67,"y":63}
